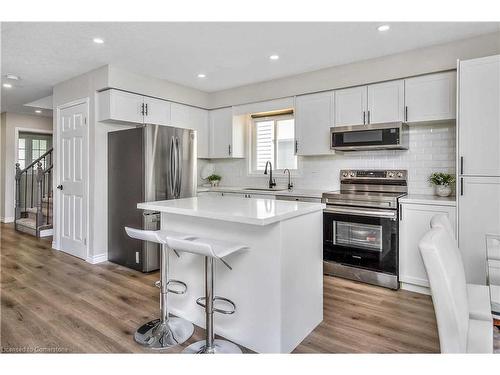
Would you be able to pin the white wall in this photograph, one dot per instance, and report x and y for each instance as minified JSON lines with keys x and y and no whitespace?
{"x":10,"y":122}
{"x":420,"y":61}
{"x":432,"y":149}
{"x":160,"y":88}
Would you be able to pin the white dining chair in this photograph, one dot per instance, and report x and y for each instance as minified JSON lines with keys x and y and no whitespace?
{"x":478,"y":296}
{"x":458,"y":332}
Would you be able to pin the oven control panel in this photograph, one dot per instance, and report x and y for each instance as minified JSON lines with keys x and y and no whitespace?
{"x":397,"y":174}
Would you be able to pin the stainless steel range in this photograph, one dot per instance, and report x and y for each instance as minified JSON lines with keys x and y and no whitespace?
{"x":360,"y":226}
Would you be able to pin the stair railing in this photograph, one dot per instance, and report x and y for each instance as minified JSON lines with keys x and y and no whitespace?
{"x":33,"y":185}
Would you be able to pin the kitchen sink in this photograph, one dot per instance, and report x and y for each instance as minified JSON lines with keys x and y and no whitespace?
{"x":265,"y":189}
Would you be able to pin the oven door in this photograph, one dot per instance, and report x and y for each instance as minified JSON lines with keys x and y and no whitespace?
{"x":361,"y":237}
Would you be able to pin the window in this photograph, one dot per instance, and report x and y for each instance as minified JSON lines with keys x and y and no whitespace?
{"x":273,"y":140}
{"x":31,"y":146}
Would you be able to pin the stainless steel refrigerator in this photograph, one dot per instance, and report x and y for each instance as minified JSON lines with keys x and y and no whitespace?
{"x":148,"y":163}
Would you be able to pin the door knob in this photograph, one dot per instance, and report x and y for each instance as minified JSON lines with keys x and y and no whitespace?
{"x":60,"y":187}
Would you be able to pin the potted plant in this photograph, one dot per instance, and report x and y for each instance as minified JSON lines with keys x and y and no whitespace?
{"x":214,"y":179}
{"x":442,"y":182}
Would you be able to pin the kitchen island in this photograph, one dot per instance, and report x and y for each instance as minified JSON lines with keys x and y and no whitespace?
{"x":276,"y":284}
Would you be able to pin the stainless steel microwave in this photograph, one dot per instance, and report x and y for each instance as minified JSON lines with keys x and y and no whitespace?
{"x":386,"y":136}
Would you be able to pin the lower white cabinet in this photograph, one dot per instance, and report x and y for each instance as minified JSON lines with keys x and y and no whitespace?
{"x":414,"y":223}
{"x":235,"y":194}
{"x":478,"y":215}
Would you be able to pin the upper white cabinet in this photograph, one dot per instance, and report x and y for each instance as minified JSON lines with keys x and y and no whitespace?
{"x":156,"y":111}
{"x":313,"y":119}
{"x":120,"y":106}
{"x":350,"y":106}
{"x":414,"y":223}
{"x":179,"y":115}
{"x":479,"y":116}
{"x":226,"y":137}
{"x":198,"y":118}
{"x":431,"y":97}
{"x":386,"y":102}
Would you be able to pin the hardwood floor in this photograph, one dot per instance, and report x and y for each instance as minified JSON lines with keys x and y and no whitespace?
{"x":53,"y":302}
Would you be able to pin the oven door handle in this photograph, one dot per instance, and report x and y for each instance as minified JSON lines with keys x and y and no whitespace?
{"x":361,"y":212}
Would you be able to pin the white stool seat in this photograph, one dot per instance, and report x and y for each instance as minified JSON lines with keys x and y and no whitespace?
{"x":206,"y":247}
{"x":158,"y":236}
{"x":478,"y":298}
{"x":480,"y":337}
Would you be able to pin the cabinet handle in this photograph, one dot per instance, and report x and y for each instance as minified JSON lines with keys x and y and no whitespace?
{"x":400,"y":212}
{"x":461,"y":186}
{"x":364,"y":118}
{"x":461,"y":165}
{"x":142,"y":109}
{"x":229,"y":150}
{"x":146,"y":109}
{"x":296,"y":146}
{"x":406,"y":113}
{"x":368,"y":116}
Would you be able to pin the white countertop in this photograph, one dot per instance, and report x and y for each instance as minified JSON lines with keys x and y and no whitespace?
{"x":309,"y":193}
{"x":428,"y":199}
{"x":235,"y":209}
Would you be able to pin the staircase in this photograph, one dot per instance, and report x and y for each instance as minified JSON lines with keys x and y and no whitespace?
{"x":34,"y":199}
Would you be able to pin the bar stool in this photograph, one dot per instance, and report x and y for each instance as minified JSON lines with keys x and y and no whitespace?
{"x":166,"y":331}
{"x":211,"y":250}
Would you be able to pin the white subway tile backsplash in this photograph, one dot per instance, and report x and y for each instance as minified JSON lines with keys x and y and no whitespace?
{"x":432,"y":149}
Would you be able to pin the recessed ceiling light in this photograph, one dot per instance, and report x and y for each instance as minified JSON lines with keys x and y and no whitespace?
{"x":12,"y":77}
{"x":98,"y":40}
{"x":383,"y":28}
{"x":201,"y":75}
{"x":38,"y":111}
{"x":274,"y":57}
{"x":7,"y":85}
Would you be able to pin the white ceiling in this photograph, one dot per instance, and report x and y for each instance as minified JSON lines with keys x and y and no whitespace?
{"x":230,"y":54}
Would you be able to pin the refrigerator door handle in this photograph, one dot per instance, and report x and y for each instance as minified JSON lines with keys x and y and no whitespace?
{"x":173,"y":170}
{"x":179,"y":167}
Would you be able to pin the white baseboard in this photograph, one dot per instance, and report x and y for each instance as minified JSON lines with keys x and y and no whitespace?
{"x":47,"y":232}
{"x":97,"y":258}
{"x":416,"y":288}
{"x":7,"y":220}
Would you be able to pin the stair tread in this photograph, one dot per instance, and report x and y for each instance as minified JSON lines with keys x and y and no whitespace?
{"x":27,"y":222}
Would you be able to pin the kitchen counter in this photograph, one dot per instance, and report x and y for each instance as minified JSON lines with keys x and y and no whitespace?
{"x":276,"y":284}
{"x":234,"y":209}
{"x":428,"y":199}
{"x":307,"y":193}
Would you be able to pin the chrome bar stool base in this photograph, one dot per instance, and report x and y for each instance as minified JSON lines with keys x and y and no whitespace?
{"x":219,"y":347}
{"x":158,"y":335}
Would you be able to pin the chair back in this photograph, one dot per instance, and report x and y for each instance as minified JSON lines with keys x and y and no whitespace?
{"x":442,"y":221}
{"x":145,"y":235}
{"x":448,"y":288}
{"x":189,"y":246}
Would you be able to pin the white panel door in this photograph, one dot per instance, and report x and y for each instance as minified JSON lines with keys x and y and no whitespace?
{"x":156,"y":111}
{"x":221,"y":132}
{"x":350,"y":106}
{"x":478,"y":214}
{"x":198,"y":120}
{"x":431,"y":97}
{"x":479,"y":116}
{"x":313,"y":119}
{"x":72,"y":131}
{"x":414,"y":223}
{"x":386,"y":102}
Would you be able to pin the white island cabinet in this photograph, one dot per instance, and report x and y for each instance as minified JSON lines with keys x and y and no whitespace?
{"x":276,"y":284}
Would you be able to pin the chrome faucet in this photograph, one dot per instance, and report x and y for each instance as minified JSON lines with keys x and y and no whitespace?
{"x":290,"y":185}
{"x":272,"y":183}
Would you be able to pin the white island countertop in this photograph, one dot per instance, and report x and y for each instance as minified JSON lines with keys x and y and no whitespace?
{"x":234,"y":209}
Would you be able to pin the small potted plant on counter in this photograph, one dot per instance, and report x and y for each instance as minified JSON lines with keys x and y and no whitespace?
{"x":442,"y":183}
{"x":214,"y":179}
